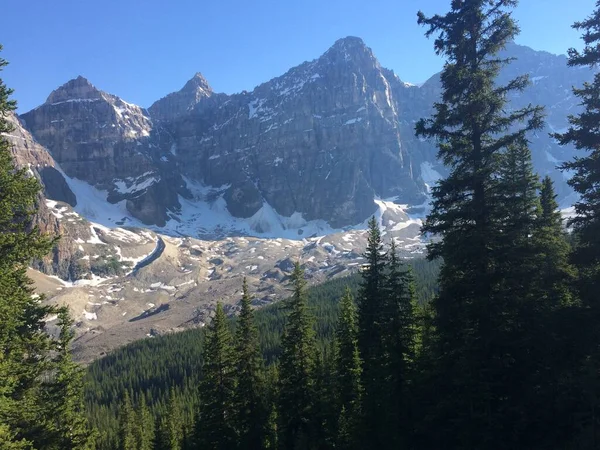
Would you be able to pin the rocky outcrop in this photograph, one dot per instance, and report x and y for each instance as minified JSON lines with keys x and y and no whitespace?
{"x":181,"y":102}
{"x":30,"y":154}
{"x":111,"y":144}
{"x":322,"y":140}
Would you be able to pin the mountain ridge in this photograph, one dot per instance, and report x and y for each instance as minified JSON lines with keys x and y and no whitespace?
{"x":321,"y":141}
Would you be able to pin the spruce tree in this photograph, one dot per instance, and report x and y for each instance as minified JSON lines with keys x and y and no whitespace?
{"x":348,"y":367}
{"x":30,"y":374}
{"x":169,"y":435}
{"x":399,"y":342}
{"x":556,"y":276}
{"x":249,"y":403}
{"x":297,"y":371}
{"x":145,"y":427}
{"x":584,"y":134}
{"x":372,"y":321}
{"x":64,"y":394}
{"x":475,"y":407}
{"x":128,"y":425}
{"x":216,"y":422}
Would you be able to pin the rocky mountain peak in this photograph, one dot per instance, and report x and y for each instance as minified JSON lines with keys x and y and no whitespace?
{"x":198,"y":84}
{"x":77,"y":89}
{"x":350,"y":49}
{"x":178,"y":103}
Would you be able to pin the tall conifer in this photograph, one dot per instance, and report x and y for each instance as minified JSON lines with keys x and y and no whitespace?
{"x":249,"y":394}
{"x":473,"y":129}
{"x":297,"y":371}
{"x":348,"y":368}
{"x":216,"y":423}
{"x":584,"y":134}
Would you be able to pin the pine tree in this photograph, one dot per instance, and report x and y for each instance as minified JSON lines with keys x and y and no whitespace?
{"x":556,"y":275}
{"x":169,"y":435}
{"x":584,"y":134}
{"x":128,"y":426}
{"x":399,"y":342}
{"x":473,"y":131}
{"x":372,"y":321}
{"x":145,"y":427}
{"x":348,"y":367}
{"x":325,"y":412}
{"x":297,"y":371}
{"x":216,"y":425}
{"x":64,"y":394}
{"x":250,"y":408}
{"x":27,"y":352}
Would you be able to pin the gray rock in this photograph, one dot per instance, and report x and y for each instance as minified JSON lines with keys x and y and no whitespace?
{"x":323,"y":140}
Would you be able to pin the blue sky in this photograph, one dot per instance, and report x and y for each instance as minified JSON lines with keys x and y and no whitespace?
{"x":143,"y":49}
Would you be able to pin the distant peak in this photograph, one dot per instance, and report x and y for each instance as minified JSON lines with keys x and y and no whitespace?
{"x":197,"y":83}
{"x":351,"y":48}
{"x":77,"y":88}
{"x":349,"y":42}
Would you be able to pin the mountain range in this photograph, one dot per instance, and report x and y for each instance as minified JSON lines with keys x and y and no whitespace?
{"x":170,"y":206}
{"x":308,"y":151}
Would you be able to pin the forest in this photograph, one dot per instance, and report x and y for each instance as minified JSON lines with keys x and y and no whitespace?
{"x":492,"y":343}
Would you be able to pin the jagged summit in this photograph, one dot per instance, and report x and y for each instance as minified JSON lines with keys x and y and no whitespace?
{"x":197,"y":83}
{"x":76,"y":89}
{"x":177,"y":103}
{"x":350,"y":48}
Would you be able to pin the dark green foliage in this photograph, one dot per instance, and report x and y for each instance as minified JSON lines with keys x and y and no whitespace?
{"x":297,"y":364}
{"x":349,"y":371}
{"x":584,"y":134}
{"x":156,"y":366}
{"x":215,"y":424}
{"x":40,"y":387}
{"x":251,"y":410}
{"x":373,"y":320}
{"x":128,"y":425}
{"x":486,"y":354}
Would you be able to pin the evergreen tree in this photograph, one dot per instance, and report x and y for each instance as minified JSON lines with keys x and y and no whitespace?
{"x":297,"y":371}
{"x":64,"y":392}
{"x":584,"y":134}
{"x":373,"y":321}
{"x":348,"y":367}
{"x":216,"y":424}
{"x":475,"y":357}
{"x":326,"y":402}
{"x":399,"y":342}
{"x":30,"y":375}
{"x":556,"y":276}
{"x":249,"y":403}
{"x":169,"y":434}
{"x":128,"y":425}
{"x":145,"y":427}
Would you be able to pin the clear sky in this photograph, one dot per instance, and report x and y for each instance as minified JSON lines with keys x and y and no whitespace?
{"x":141,"y":50}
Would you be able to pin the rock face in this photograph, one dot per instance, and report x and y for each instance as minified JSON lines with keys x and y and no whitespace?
{"x":181,"y":102}
{"x":109,"y":143}
{"x":28,"y":153}
{"x":322,"y":140}
{"x":319,"y":143}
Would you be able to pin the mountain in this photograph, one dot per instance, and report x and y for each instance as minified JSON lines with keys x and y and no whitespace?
{"x":163,"y":211}
{"x":181,"y":102}
{"x":111,"y":144}
{"x":307,"y":152}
